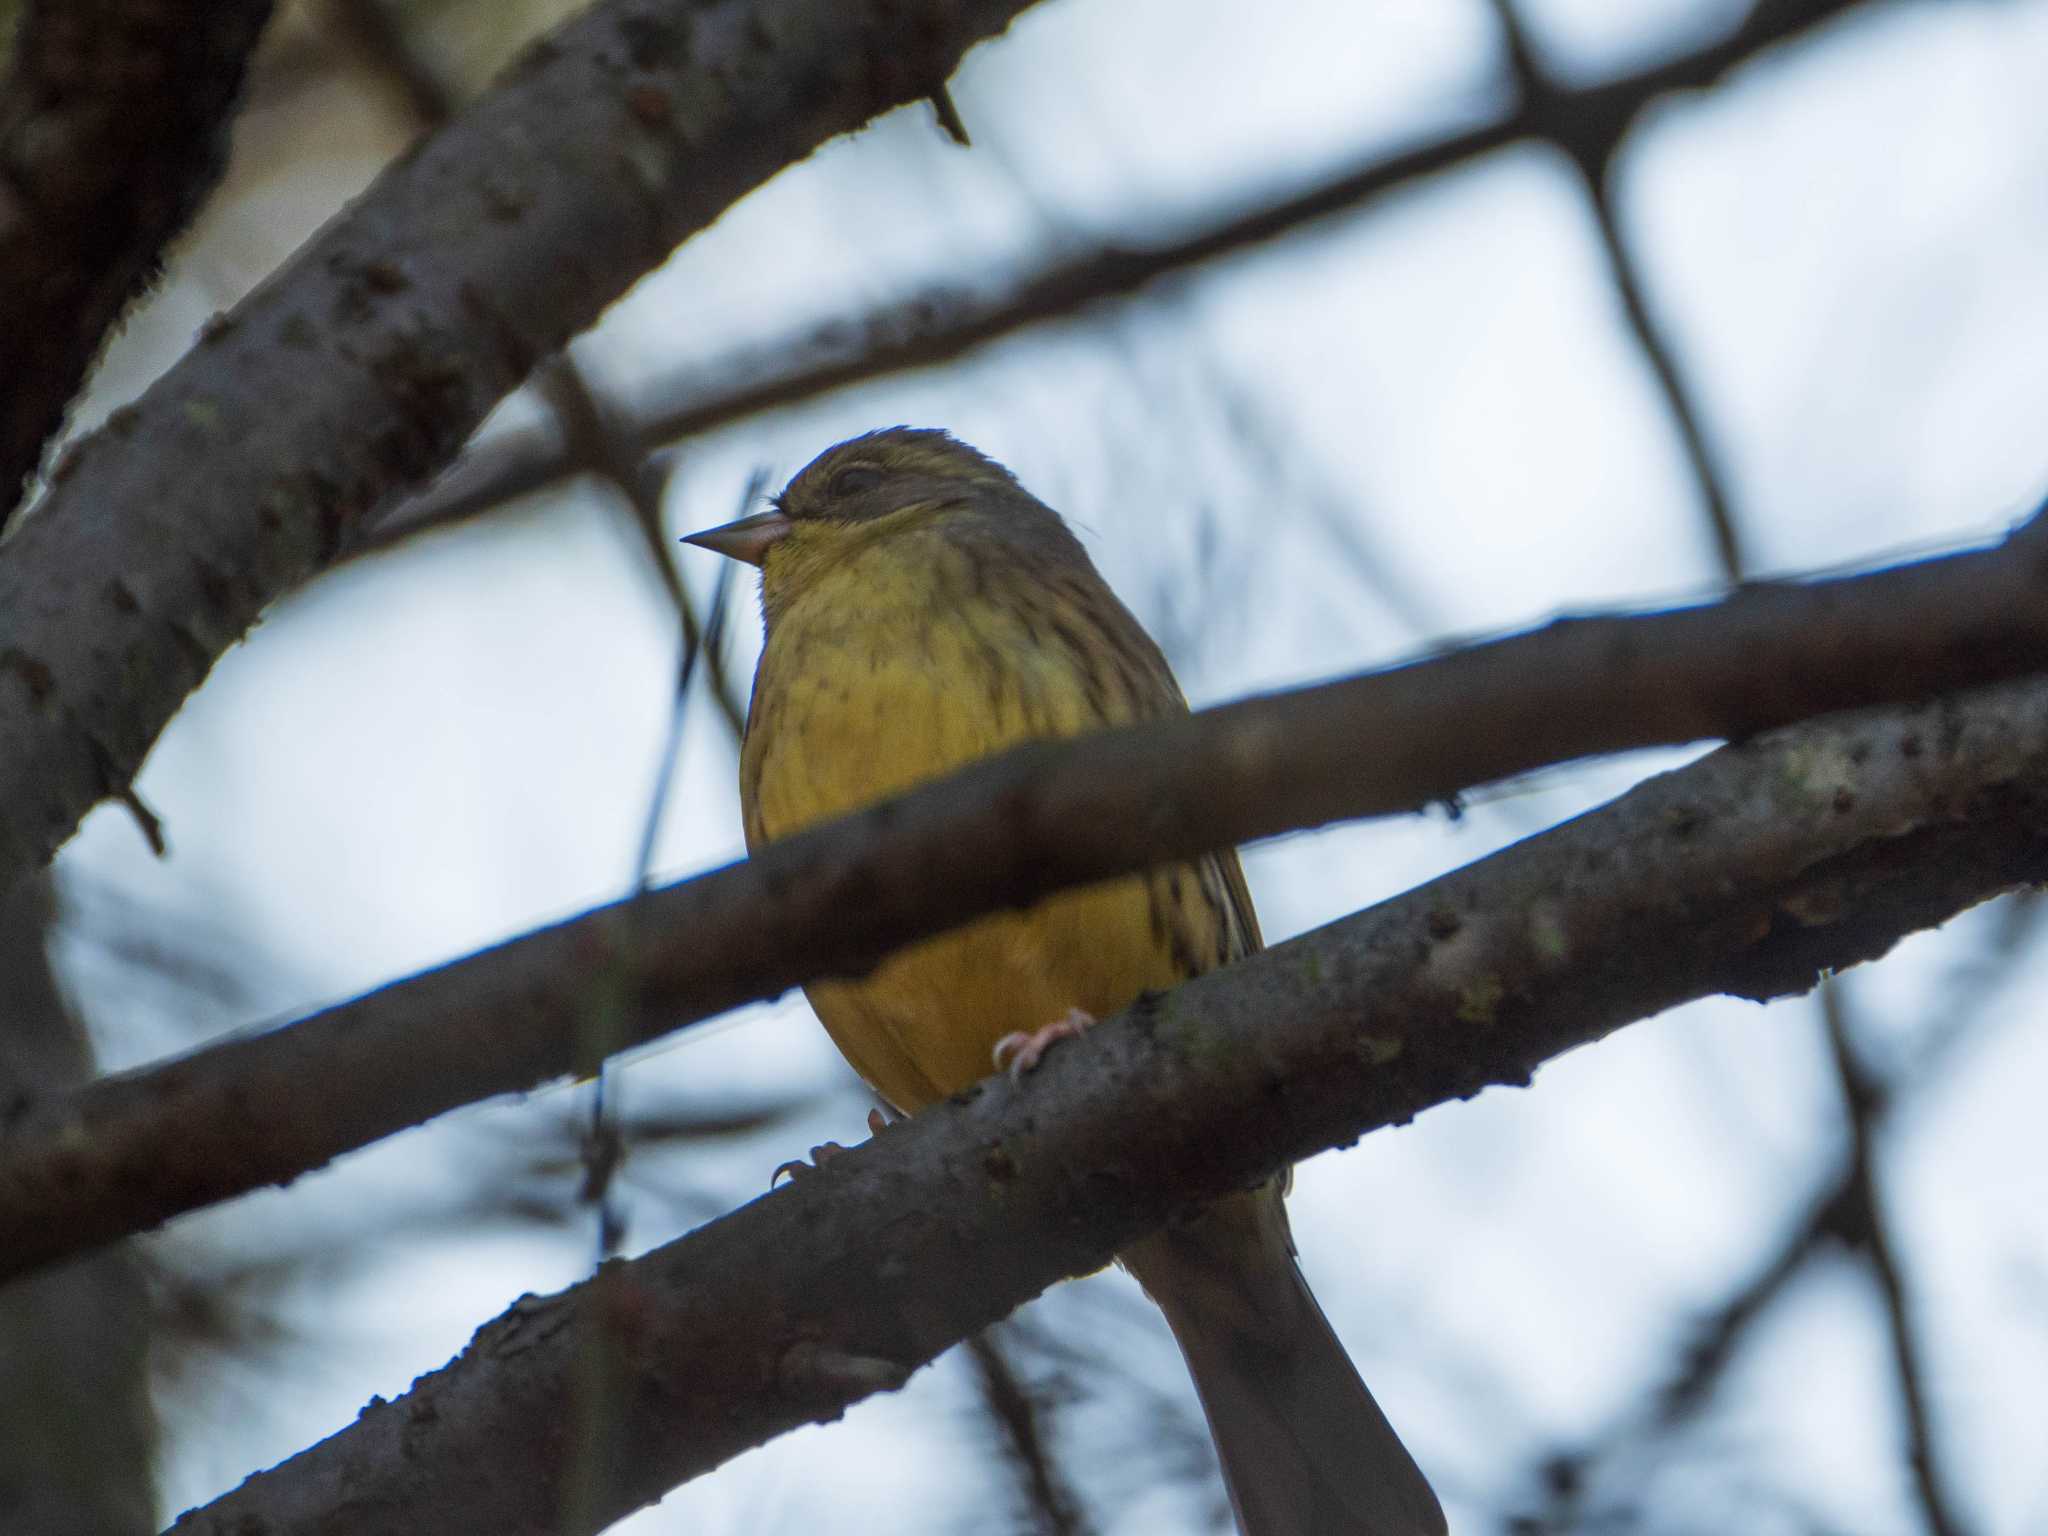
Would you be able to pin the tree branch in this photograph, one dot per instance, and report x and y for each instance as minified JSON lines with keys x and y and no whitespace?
{"x":1593,"y":155}
{"x":598,"y":443}
{"x":363,"y":366}
{"x":113,"y":128}
{"x":128,"y":1152}
{"x":938,"y":328}
{"x":1747,"y":872}
{"x":1837,"y":1213}
{"x":588,"y":423}
{"x":1864,"y":1102}
{"x":1020,"y":1421}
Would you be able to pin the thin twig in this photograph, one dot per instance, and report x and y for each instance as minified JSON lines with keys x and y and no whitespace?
{"x":1594,"y":157}
{"x":596,"y":442}
{"x":604,"y":1143}
{"x":1020,"y":1418}
{"x":711,"y":641}
{"x":590,"y":433}
{"x":1864,"y":1100}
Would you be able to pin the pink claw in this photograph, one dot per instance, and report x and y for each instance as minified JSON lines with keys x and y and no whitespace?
{"x":803,"y":1167}
{"x":821,"y":1155}
{"x":1019,"y":1052}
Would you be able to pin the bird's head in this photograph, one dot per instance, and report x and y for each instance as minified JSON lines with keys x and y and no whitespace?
{"x":873,"y":487}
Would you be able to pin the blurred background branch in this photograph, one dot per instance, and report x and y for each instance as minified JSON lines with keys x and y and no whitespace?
{"x":1588,"y":123}
{"x":1021,"y":1418}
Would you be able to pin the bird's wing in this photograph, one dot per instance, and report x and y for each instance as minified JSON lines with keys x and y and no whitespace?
{"x":1148,"y":683}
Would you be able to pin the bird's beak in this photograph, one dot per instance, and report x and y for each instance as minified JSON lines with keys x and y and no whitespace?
{"x":748,"y":539}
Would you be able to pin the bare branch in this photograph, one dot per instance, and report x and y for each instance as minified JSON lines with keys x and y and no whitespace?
{"x":1863,"y":1101}
{"x":1019,"y":1418}
{"x":1839,"y":1214}
{"x":597,"y":442}
{"x":931,"y":329}
{"x":113,"y":119}
{"x":1746,"y":872}
{"x":362,"y":367}
{"x":589,"y":426}
{"x":128,"y":1152}
{"x":1546,"y":101}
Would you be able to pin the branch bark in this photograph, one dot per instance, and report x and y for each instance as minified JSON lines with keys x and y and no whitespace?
{"x":113,"y":128}
{"x":125,"y":1153}
{"x":1750,"y":871}
{"x":363,"y":366}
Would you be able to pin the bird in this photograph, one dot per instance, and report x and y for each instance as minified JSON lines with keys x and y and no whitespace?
{"x":923,"y":610}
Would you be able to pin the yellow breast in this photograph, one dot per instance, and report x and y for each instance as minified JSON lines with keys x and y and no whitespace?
{"x":888,"y":673}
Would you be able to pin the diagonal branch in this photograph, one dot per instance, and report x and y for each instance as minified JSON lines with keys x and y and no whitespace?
{"x":113,"y":128}
{"x":128,"y":1152}
{"x":362,"y":367}
{"x":939,"y":328}
{"x":1733,"y":874}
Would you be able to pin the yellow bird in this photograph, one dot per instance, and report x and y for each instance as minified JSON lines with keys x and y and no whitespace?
{"x":923,"y":610}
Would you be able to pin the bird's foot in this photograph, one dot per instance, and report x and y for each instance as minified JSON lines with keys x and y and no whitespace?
{"x":1018,"y":1053}
{"x":822,"y":1154}
{"x":803,"y":1167}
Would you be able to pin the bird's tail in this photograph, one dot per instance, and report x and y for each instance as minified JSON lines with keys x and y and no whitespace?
{"x":1305,"y":1449}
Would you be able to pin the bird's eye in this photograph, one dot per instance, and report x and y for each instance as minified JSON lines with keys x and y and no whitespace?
{"x":853,"y":480}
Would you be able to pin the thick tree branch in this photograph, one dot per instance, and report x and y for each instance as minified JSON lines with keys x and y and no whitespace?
{"x":363,"y":366}
{"x":113,"y":128}
{"x":1588,"y":123}
{"x":1748,"y":872}
{"x":128,"y":1152}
